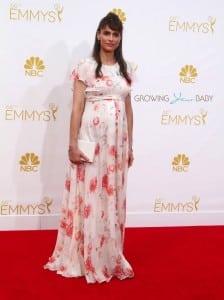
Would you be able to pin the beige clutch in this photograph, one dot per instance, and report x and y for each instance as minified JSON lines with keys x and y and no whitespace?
{"x":88,"y":148}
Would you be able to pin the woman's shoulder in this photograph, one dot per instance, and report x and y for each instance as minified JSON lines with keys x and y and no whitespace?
{"x":131,"y":66}
{"x":84,"y":70}
{"x":87,"y":62}
{"x":131,"y":69}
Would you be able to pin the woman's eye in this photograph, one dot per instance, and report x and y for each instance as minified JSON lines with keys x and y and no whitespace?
{"x":115,"y":34}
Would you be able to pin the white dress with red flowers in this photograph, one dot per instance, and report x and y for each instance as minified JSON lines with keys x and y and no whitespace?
{"x":91,"y":231}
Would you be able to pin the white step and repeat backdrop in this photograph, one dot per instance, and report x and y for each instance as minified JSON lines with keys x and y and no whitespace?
{"x":178,"y":102}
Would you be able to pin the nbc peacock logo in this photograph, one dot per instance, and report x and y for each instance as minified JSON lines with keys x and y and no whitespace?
{"x":180,"y":163}
{"x":29,"y":162}
{"x":120,"y":13}
{"x":34,"y":66}
{"x":188,"y":74}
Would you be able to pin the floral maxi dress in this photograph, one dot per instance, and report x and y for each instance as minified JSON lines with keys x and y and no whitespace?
{"x":91,"y":230}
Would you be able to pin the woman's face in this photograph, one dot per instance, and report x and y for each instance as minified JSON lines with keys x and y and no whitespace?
{"x":109,"y":39}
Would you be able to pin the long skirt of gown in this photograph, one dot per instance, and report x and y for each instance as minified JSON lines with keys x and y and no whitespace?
{"x":91,"y":230}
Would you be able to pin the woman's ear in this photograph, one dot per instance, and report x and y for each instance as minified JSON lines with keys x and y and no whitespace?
{"x":98,"y":36}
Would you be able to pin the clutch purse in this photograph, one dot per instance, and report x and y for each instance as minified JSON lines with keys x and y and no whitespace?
{"x":88,"y":148}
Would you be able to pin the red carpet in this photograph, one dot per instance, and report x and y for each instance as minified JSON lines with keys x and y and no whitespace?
{"x":175,"y":263}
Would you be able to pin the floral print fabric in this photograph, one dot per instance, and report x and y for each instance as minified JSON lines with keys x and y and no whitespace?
{"x":91,"y":231}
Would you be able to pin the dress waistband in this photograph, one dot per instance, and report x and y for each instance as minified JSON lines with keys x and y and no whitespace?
{"x":103,"y":98}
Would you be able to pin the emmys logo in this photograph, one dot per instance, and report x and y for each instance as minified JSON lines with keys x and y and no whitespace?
{"x":188,"y":74}
{"x":29,"y":162}
{"x":192,"y":120}
{"x":161,"y":206}
{"x":180,"y":163}
{"x":13,"y":114}
{"x":16,"y":13}
{"x":8,"y":209}
{"x":185,"y":26}
{"x":121,"y":14}
{"x":34,"y":66}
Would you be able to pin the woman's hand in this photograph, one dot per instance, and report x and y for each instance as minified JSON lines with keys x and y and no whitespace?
{"x":76,"y":156}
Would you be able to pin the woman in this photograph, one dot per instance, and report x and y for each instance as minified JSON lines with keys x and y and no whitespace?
{"x":91,"y":233}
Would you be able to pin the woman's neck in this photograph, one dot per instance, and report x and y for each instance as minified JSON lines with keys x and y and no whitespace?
{"x":107,"y":58}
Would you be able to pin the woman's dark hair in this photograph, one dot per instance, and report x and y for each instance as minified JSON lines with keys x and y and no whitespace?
{"x":114,"y":23}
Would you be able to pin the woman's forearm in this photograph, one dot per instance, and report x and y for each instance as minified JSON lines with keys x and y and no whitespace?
{"x":130,"y":130}
{"x":129,"y":114}
{"x":75,"y":122}
{"x":77,"y":112}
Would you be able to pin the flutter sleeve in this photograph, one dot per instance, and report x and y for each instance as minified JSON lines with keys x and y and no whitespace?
{"x":84,"y":71}
{"x":131,"y":68}
{"x":80,"y":71}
